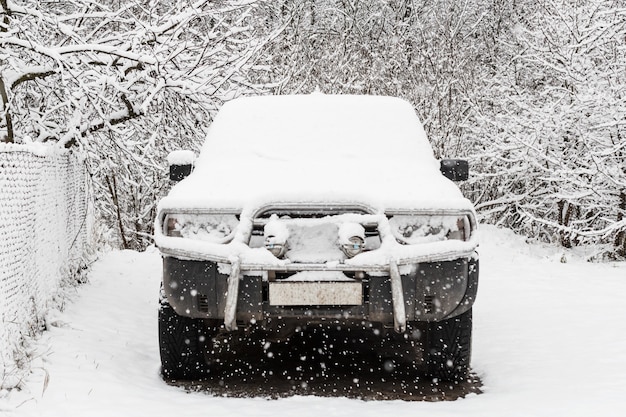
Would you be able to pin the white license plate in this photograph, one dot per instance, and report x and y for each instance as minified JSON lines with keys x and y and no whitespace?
{"x":315,"y":293}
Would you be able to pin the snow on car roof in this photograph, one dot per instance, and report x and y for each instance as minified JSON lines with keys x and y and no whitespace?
{"x":316,"y":148}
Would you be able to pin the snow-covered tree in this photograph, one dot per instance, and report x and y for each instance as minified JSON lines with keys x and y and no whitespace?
{"x":549,"y":130}
{"x":73,"y":67}
{"x":126,"y":82}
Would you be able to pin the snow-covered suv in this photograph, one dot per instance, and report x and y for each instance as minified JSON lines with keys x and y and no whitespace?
{"x":318,"y":210}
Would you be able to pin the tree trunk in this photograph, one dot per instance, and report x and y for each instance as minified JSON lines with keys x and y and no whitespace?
{"x":4,"y":108}
{"x":620,"y":239}
{"x":4,"y":105}
{"x":566,"y":211}
{"x":113,"y":190}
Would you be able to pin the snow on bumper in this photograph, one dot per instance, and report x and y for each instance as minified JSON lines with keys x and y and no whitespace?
{"x":260,"y":259}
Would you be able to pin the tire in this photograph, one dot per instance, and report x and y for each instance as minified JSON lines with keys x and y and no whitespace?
{"x":182,"y":342}
{"x":448,"y":351}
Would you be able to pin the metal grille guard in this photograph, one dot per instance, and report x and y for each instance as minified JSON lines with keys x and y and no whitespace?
{"x":397,"y":296}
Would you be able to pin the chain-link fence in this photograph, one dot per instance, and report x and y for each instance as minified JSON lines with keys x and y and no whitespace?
{"x":43,"y":239}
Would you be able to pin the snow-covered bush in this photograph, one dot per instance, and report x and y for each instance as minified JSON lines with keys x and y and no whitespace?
{"x":43,"y":241}
{"x":547,"y":133}
{"x":127,"y":82}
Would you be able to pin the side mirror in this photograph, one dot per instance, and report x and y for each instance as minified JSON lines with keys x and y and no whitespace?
{"x":455,"y":169}
{"x":181,"y":164}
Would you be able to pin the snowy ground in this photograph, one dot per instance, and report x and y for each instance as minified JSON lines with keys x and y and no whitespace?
{"x":549,"y":340}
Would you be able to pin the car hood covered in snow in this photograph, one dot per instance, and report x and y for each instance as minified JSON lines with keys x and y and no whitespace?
{"x":316,"y":149}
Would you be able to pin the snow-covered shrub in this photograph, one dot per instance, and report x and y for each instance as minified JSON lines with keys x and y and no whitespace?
{"x":547,"y":133}
{"x":127,"y":83}
{"x":43,"y":229}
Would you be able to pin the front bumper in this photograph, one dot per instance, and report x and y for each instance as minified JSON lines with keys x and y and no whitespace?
{"x":391,"y":296}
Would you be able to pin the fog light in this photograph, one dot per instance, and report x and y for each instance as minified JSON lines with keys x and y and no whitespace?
{"x":277,"y":249}
{"x":353,"y":248}
{"x":352,"y":239}
{"x":276,"y":235}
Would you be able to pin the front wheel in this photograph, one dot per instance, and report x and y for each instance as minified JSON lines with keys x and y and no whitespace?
{"x":448,"y":351}
{"x":182,"y":342}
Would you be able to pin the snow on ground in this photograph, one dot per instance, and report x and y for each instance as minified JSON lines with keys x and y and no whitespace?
{"x":549,"y":340}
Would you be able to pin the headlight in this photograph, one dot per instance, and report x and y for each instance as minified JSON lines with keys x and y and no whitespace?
{"x":215,"y":228}
{"x":416,"y":229}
